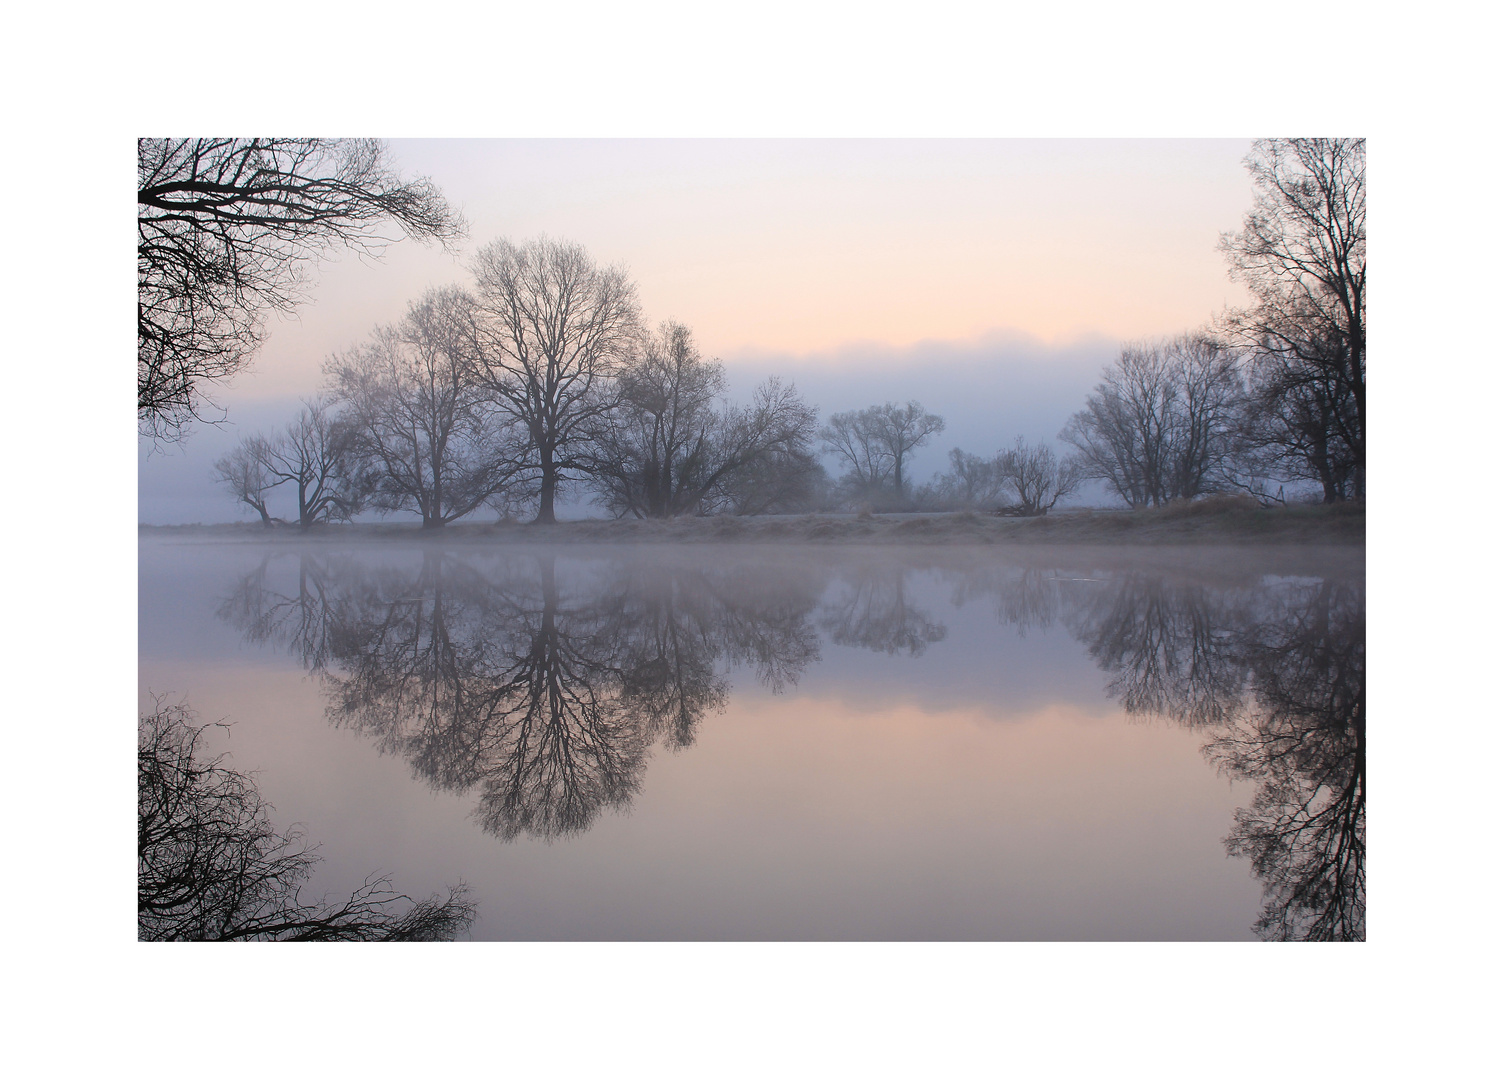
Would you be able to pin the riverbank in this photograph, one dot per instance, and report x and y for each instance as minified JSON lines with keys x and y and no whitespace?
{"x":1218,"y":521}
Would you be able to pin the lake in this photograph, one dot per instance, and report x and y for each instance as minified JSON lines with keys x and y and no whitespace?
{"x":712,"y":742}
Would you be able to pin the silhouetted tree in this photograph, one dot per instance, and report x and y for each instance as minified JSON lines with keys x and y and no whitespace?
{"x":668,"y":449}
{"x":226,"y":229}
{"x":1036,"y":478}
{"x":1162,"y":423}
{"x":317,"y":456}
{"x":429,"y":434}
{"x":1303,"y":254}
{"x":853,"y":440}
{"x":555,"y":330}
{"x":972,"y":481}
{"x":211,"y":866}
{"x":873,"y":443}
{"x":244,"y":473}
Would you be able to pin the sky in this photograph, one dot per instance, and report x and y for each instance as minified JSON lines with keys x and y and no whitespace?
{"x":989,"y":279}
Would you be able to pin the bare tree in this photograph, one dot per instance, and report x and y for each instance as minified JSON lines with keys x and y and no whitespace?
{"x":226,"y":231}
{"x":874,"y":441}
{"x":317,"y":455}
{"x":211,"y":866}
{"x":431,"y":438}
{"x":852,"y":439}
{"x":1303,"y":253}
{"x":1288,"y":431}
{"x":556,"y":329}
{"x":1162,"y":423}
{"x":972,"y":480}
{"x":243,"y":471}
{"x":655,"y":447}
{"x":669,"y":448}
{"x":904,"y":429}
{"x":1036,"y":477}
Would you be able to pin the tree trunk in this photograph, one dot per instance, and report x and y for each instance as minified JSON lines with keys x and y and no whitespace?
{"x":546,"y":490}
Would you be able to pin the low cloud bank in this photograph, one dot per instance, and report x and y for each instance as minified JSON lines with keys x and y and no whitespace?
{"x":990,"y":390}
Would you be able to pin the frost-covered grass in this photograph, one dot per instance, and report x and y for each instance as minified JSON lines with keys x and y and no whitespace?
{"x":1223,"y":520}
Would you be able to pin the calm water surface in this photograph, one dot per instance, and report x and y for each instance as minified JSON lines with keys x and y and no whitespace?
{"x":724,"y":743}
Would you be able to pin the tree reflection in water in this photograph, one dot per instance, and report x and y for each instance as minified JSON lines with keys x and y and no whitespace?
{"x":1170,"y":646}
{"x":545,"y":692}
{"x":1303,"y":738}
{"x":544,"y":696}
{"x":1274,"y":673}
{"x":872,"y":610}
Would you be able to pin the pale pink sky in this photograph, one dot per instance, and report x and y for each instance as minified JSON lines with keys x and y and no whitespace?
{"x":806,"y":248}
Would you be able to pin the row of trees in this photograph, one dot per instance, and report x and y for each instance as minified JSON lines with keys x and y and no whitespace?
{"x":440,"y":446}
{"x":1273,"y":394}
{"x":541,"y":377}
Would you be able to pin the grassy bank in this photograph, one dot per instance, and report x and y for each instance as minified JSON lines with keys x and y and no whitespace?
{"x":1207,"y":521}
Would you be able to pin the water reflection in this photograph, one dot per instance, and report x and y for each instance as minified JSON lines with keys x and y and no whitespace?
{"x":542,"y":684}
{"x":1275,"y":673}
{"x":1303,"y":738}
{"x":542,"y":695}
{"x":1168,"y":645}
{"x":872,"y":610}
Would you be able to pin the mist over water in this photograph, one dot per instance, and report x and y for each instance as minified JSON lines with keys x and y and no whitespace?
{"x":786,"y":743}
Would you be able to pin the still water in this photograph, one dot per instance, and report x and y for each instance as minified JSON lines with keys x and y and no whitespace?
{"x":793,"y":743}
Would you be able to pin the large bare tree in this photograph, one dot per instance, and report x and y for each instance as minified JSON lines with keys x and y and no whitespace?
{"x":227,"y":230}
{"x":316,"y":454}
{"x":1303,"y":253}
{"x":431,"y":437}
{"x":556,"y":329}
{"x":243,"y":471}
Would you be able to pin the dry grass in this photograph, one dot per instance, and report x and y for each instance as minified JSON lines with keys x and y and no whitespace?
{"x":1221,"y":520}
